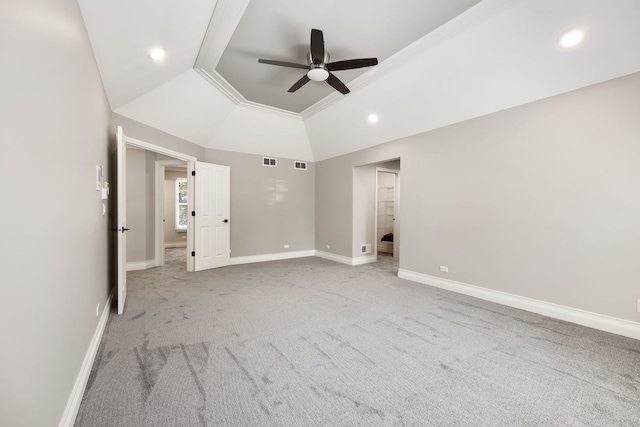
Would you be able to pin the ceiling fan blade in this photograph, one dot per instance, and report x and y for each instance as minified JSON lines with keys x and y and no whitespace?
{"x":283,"y":64}
{"x":337,"y":84}
{"x":350,"y":64}
{"x":297,"y":85}
{"x":317,"y":46}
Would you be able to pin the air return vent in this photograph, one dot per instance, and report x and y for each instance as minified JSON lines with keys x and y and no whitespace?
{"x":300,"y":165}
{"x":270,"y":161}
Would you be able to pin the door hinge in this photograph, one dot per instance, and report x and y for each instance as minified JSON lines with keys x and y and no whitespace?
{"x":193,"y":213}
{"x":193,"y":173}
{"x":193,"y":253}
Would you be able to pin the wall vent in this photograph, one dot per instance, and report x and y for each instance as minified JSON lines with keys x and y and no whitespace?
{"x":300,"y":165}
{"x":270,"y":161}
{"x":365,"y":249}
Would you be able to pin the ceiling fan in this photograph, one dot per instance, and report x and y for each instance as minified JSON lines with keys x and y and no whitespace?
{"x":319,"y":68}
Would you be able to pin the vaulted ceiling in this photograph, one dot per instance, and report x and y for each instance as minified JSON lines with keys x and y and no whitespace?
{"x":440,"y":63}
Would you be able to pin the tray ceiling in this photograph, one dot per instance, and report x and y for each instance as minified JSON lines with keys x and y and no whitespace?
{"x":280,"y":30}
{"x":440,"y":63}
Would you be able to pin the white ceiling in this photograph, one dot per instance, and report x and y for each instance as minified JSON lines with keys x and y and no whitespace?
{"x":496,"y":55}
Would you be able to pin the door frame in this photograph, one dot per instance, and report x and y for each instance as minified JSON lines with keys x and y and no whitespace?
{"x":160,"y":167}
{"x":133,"y":142}
{"x":396,"y":212}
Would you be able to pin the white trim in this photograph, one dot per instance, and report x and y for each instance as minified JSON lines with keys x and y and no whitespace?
{"x":226,"y":17}
{"x":75,"y":398}
{"x":175,"y":245}
{"x":334,"y":257}
{"x":157,"y":149}
{"x":345,"y":259}
{"x":270,"y":257}
{"x":301,"y":254}
{"x":581,"y":317}
{"x":361,"y":260}
{"x":222,"y":85}
{"x":141,"y":265}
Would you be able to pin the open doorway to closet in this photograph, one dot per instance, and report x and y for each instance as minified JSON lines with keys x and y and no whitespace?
{"x":387,"y":218}
{"x":376,"y":214}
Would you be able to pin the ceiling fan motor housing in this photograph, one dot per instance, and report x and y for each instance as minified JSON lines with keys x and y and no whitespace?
{"x":319,"y":68}
{"x":318,"y":72}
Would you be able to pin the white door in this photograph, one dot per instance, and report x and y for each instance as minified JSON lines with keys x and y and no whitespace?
{"x":396,"y":216}
{"x":121,"y":226}
{"x":212,"y":208}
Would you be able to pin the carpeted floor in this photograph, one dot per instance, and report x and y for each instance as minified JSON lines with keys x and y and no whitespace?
{"x":309,"y":342}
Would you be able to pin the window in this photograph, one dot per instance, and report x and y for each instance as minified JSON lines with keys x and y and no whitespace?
{"x":181,"y":204}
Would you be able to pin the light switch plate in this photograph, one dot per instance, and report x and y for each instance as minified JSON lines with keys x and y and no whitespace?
{"x":99,"y":177}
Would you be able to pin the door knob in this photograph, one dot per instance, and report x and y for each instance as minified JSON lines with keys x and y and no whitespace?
{"x":125,"y":229}
{"x":225,"y":221}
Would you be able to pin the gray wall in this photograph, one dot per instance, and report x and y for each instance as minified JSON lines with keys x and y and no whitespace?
{"x":150,"y":195}
{"x":55,"y":130}
{"x":154,"y":136}
{"x":539,"y":201}
{"x":170,"y":233}
{"x":137,"y":205}
{"x":270,"y":207}
{"x":141,"y":207}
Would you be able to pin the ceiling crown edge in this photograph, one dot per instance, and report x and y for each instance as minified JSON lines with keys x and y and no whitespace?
{"x":227,"y":15}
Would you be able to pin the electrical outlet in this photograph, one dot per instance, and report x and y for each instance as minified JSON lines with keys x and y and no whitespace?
{"x":444,"y":269}
{"x":98,"y":310}
{"x":286,"y":246}
{"x":328,"y":246}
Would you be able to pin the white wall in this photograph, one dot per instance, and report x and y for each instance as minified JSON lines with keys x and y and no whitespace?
{"x":55,"y":130}
{"x":538,"y":201}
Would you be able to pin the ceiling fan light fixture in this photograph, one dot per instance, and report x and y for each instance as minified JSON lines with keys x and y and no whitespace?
{"x":318,"y":74}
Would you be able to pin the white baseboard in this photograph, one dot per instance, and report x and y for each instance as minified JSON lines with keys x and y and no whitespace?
{"x":364,"y":260}
{"x":334,"y":257}
{"x":175,"y":245}
{"x":345,"y":259}
{"x":141,"y":265}
{"x":300,"y":254}
{"x":585,"y":318}
{"x":73,"y":404}
{"x":270,"y":257}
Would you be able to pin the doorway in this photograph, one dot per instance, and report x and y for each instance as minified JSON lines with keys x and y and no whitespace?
{"x":387,"y":235}
{"x":387,"y":212}
{"x":171,"y":219}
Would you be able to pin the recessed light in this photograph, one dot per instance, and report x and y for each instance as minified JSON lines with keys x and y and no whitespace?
{"x":157,"y":54}
{"x":571,"y":38}
{"x":373,"y":118}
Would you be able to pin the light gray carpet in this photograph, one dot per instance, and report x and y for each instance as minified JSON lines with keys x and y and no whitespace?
{"x":309,"y":342}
